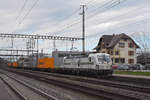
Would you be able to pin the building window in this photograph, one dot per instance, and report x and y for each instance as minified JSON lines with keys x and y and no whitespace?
{"x":125,"y":39}
{"x":131,"y":61}
{"x":111,"y":52}
{"x":130,"y":45}
{"x":122,"y":45}
{"x":116,"y":52}
{"x":122,"y":60}
{"x":108,"y":52}
{"x":116,"y":60}
{"x":131,"y":53}
{"x":103,"y":51}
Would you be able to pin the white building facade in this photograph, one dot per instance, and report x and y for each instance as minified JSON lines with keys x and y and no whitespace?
{"x":121,"y":48}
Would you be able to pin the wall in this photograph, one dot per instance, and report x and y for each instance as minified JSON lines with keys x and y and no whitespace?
{"x":124,"y":51}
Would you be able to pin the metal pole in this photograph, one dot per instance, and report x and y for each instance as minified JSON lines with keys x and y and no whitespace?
{"x":12,"y":48}
{"x":33,"y":61}
{"x":66,"y":46}
{"x":54,"y":45}
{"x":83,"y":28}
{"x":37,"y":51}
{"x":72,"y":45}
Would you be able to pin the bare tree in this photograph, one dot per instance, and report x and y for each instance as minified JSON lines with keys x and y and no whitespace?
{"x":142,"y":40}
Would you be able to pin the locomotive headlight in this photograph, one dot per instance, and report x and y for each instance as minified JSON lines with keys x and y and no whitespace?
{"x":105,"y":62}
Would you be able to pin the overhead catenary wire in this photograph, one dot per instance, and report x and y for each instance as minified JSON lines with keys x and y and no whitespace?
{"x":77,"y":22}
{"x":100,"y":5}
{"x":140,"y":7}
{"x":111,"y":5}
{"x":25,"y":16}
{"x":65,"y":19}
{"x":105,"y":7}
{"x":110,"y":2}
{"x":70,"y":25}
{"x":135,"y":23}
{"x":89,"y":2}
{"x":21,"y":10}
{"x":73,"y":24}
{"x":19,"y":13}
{"x":128,"y":13}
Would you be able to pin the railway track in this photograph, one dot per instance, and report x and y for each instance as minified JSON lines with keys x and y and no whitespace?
{"x":133,"y":80}
{"x":104,"y":82}
{"x":11,"y":82}
{"x":101,"y":88}
{"x":17,"y":93}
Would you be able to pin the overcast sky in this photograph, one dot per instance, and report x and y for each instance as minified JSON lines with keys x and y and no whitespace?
{"x":62,"y":18}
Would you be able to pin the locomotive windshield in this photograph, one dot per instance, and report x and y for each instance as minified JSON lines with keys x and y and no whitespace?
{"x":103,"y":58}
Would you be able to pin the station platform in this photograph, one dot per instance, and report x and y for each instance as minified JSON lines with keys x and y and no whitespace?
{"x":4,"y":94}
{"x":132,"y":76}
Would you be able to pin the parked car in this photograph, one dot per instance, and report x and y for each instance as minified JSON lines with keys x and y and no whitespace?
{"x":138,"y":67}
{"x":147,"y":67}
{"x":132,"y":67}
{"x":114,"y":66}
{"x":123,"y":67}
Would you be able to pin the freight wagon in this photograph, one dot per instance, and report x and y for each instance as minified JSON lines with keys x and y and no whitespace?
{"x":91,"y":64}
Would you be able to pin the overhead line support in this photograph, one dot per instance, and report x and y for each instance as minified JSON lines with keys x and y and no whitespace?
{"x":38,"y":37}
{"x":83,"y":27}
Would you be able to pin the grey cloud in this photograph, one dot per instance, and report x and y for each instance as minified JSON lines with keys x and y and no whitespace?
{"x":49,"y":16}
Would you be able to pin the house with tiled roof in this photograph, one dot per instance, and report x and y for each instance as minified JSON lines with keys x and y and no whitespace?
{"x":121,"y":47}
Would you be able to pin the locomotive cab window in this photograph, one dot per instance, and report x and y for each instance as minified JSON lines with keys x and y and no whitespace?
{"x":107,"y":59}
{"x":104,"y":59}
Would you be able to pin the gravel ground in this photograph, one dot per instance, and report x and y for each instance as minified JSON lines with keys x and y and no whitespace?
{"x":63,"y":94}
{"x":6,"y":93}
{"x":58,"y":92}
{"x":29,"y":94}
{"x":138,"y":95}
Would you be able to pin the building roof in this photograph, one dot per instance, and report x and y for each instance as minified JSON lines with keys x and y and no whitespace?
{"x":111,"y":40}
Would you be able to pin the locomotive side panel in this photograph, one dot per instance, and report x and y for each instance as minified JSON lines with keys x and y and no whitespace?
{"x":98,"y":64}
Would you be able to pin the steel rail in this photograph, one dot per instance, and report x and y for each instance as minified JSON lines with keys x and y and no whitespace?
{"x":103,"y":82}
{"x":36,"y":90}
{"x":18,"y":94}
{"x":78,"y":87}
